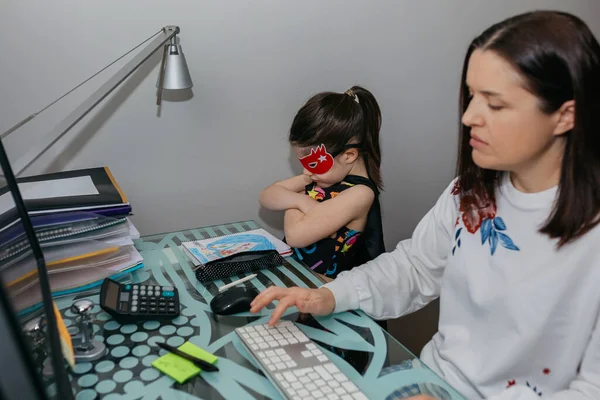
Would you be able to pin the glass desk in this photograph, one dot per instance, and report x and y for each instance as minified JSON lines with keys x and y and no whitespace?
{"x":379,"y":365}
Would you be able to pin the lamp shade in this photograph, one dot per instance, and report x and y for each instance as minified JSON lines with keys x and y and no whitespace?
{"x":177,"y":75}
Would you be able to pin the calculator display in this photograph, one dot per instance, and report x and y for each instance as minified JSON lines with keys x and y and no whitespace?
{"x":112,"y":295}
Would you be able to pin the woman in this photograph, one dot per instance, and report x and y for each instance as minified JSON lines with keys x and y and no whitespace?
{"x":511,"y":245}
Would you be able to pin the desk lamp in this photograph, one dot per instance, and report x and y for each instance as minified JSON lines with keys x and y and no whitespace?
{"x":173,"y":75}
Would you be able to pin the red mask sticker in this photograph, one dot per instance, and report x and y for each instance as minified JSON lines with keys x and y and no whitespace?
{"x":319,"y":161}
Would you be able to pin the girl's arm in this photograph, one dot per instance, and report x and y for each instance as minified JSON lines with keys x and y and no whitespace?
{"x":285,"y":194}
{"x":326,"y":218}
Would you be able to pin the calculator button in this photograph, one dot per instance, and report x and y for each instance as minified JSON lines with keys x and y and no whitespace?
{"x":162,"y":304}
{"x":162,"y":309}
{"x":135,"y":297}
{"x":143,"y":309}
{"x":134,"y":303}
{"x":152,"y":303}
{"x":143,"y":287}
{"x":171,"y":304}
{"x":152,"y":309}
{"x":143,"y":293}
{"x":135,"y":287}
{"x":167,"y":288}
{"x":128,"y":287}
{"x":168,"y":294}
{"x":134,"y":309}
{"x":171,"y":310}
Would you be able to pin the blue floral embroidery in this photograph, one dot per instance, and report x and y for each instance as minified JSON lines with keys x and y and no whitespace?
{"x":492,"y":232}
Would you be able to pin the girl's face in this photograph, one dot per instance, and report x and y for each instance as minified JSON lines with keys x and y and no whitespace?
{"x":322,"y":168}
{"x":509,"y":132}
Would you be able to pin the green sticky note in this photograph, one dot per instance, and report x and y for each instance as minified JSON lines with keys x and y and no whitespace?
{"x":179,"y":368}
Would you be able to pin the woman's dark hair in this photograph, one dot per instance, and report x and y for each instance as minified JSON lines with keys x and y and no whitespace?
{"x":336,"y":119}
{"x":559,"y":60}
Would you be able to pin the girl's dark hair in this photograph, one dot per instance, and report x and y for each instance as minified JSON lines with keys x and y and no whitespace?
{"x":335,"y":119}
{"x":559,"y":60}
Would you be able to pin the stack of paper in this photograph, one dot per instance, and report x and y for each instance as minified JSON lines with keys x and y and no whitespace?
{"x":81,"y":221}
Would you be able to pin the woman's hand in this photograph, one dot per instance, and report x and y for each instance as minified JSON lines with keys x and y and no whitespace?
{"x":313,"y":301}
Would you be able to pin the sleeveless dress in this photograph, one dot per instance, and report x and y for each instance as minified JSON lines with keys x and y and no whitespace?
{"x":349,"y":248}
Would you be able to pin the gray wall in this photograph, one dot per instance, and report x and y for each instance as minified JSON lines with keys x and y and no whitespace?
{"x":204,"y":161}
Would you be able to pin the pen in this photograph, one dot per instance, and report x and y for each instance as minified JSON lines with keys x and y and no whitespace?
{"x":198,"y":362}
{"x":247,"y":278}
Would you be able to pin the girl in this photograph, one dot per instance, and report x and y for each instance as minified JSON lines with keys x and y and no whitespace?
{"x":511,"y":246}
{"x":332,"y":213}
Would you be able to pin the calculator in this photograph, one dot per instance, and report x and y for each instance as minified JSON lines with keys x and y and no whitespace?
{"x":134,"y":302}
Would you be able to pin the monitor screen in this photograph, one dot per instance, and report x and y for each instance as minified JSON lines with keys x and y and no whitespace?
{"x":25,"y":289}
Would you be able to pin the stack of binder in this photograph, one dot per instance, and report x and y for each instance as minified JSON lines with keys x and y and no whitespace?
{"x":81,"y":220}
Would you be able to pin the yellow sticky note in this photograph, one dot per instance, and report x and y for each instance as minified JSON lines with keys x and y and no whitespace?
{"x":179,"y":368}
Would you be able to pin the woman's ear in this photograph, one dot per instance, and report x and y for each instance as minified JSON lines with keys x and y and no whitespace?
{"x":566,"y":118}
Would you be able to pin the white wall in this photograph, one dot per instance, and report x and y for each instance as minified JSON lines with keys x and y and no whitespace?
{"x":253,"y":63}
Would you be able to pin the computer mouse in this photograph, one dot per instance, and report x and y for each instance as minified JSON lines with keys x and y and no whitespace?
{"x":233,"y":301}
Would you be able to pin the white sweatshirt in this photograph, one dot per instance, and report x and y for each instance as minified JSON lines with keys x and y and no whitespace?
{"x":518,"y":318}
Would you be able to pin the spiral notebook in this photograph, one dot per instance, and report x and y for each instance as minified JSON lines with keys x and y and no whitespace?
{"x":203,"y":251}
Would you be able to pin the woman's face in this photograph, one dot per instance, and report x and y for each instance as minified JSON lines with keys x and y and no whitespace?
{"x":509,"y":132}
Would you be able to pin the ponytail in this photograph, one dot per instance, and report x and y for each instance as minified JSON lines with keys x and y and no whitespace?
{"x":334,"y":119}
{"x":371,"y":126}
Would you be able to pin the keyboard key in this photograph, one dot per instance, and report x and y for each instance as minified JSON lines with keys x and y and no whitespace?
{"x":331,"y":368}
{"x":317,"y":393}
{"x":346,"y":397}
{"x":311,"y":346}
{"x":291,"y":391}
{"x":272,"y":367}
{"x":303,"y":393}
{"x":290,"y":377}
{"x":326,"y":389}
{"x":292,"y":341}
{"x":333,"y":396}
{"x":324,"y":374}
{"x":270,"y":353}
{"x":245,"y":335}
{"x":285,"y":384}
{"x":286,"y":358}
{"x":306,"y":354}
{"x":340,"y":391}
{"x":280,"y":366}
{"x":254,"y":347}
{"x":311,"y":387}
{"x":322,"y":358}
{"x":316,"y":352}
{"x":279,"y":377}
{"x":340,"y":377}
{"x":249,"y":328}
{"x":359,"y":396}
{"x":267,"y":361}
{"x":259,"y":340}
{"x":334,"y":384}
{"x":313,"y":376}
{"x":304,"y":379}
{"x":250,"y":340}
{"x":302,"y":371}
{"x":275,"y":359}
{"x":350,"y":387}
{"x":291,"y":364}
{"x":280,"y":352}
{"x":297,"y":385}
{"x":320,"y":383}
{"x":286,"y":323}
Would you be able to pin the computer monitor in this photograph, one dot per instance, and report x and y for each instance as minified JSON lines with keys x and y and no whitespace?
{"x":32,"y":365}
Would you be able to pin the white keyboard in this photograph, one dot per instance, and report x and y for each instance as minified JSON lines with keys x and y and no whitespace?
{"x":295,"y":364}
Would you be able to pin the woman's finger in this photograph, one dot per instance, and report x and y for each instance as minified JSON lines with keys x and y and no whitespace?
{"x":283,"y":305}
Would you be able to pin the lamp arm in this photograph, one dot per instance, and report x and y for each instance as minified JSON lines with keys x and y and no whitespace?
{"x":39,"y":148}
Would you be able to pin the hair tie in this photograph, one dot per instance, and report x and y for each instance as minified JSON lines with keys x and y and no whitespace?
{"x":351,"y":93}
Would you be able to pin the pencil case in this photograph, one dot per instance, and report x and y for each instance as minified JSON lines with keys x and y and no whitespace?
{"x":239,"y":263}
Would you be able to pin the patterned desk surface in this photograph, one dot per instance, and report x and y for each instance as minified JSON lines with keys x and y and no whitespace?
{"x":377,"y":363}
